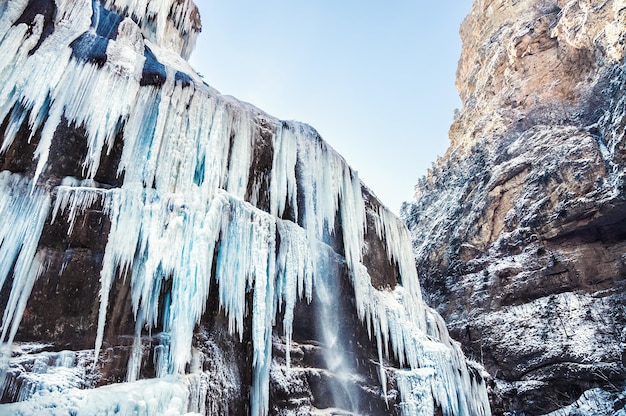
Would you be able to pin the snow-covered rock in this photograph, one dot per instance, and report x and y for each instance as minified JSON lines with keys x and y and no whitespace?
{"x":519,"y":230}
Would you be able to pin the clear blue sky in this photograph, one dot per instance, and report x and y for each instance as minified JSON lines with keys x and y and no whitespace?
{"x":375,"y":79}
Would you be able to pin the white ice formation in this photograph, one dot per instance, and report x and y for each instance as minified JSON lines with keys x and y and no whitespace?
{"x":190,"y":212}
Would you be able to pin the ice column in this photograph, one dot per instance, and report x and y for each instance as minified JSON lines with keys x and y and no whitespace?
{"x":23,"y":215}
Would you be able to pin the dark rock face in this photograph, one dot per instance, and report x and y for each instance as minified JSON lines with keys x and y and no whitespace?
{"x":518,"y":230}
{"x":168,"y":250}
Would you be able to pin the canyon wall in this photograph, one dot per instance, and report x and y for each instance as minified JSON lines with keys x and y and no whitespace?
{"x":519,"y":230}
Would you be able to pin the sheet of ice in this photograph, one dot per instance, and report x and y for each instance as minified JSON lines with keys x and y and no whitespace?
{"x":155,"y":397}
{"x":32,"y":374}
{"x":416,"y":392}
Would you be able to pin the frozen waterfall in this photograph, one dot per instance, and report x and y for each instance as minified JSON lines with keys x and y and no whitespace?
{"x":211,"y":204}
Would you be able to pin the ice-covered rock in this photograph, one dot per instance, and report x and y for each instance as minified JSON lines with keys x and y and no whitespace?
{"x":207,"y":256}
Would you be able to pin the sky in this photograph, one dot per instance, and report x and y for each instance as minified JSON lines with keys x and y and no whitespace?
{"x":375,"y":79}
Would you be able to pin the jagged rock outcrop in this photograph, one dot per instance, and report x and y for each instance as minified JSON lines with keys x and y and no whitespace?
{"x":165,"y":249}
{"x":519,"y":230}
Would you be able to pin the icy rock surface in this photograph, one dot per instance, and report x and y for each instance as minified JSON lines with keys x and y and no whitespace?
{"x":519,"y":229}
{"x":175,"y":251}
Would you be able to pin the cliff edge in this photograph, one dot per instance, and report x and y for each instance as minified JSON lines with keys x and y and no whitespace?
{"x":519,"y":230}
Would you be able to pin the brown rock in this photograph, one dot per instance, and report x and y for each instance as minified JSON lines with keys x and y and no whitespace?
{"x":519,"y":229}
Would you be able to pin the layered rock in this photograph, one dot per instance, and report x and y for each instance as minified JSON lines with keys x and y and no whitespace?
{"x":519,"y":230}
{"x":165,"y":249}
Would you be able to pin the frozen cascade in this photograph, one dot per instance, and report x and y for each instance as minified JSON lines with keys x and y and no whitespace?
{"x":191,"y":213}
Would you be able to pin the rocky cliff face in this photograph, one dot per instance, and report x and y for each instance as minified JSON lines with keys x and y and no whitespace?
{"x":168,"y":250}
{"x":519,"y":230}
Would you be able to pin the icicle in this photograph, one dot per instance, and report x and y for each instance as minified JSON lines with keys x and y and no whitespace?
{"x":398,"y":243}
{"x":75,"y":197}
{"x":295,"y":275}
{"x":415,"y":391}
{"x":124,"y":210}
{"x":192,"y":278}
{"x":20,"y":292}
{"x":74,"y":89}
{"x":283,"y":182}
{"x":134,"y":362}
{"x":23,"y":217}
{"x":328,"y":187}
{"x":241,"y":154}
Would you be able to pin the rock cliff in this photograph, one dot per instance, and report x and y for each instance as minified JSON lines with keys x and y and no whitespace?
{"x":165,"y":249}
{"x":519,"y":230}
